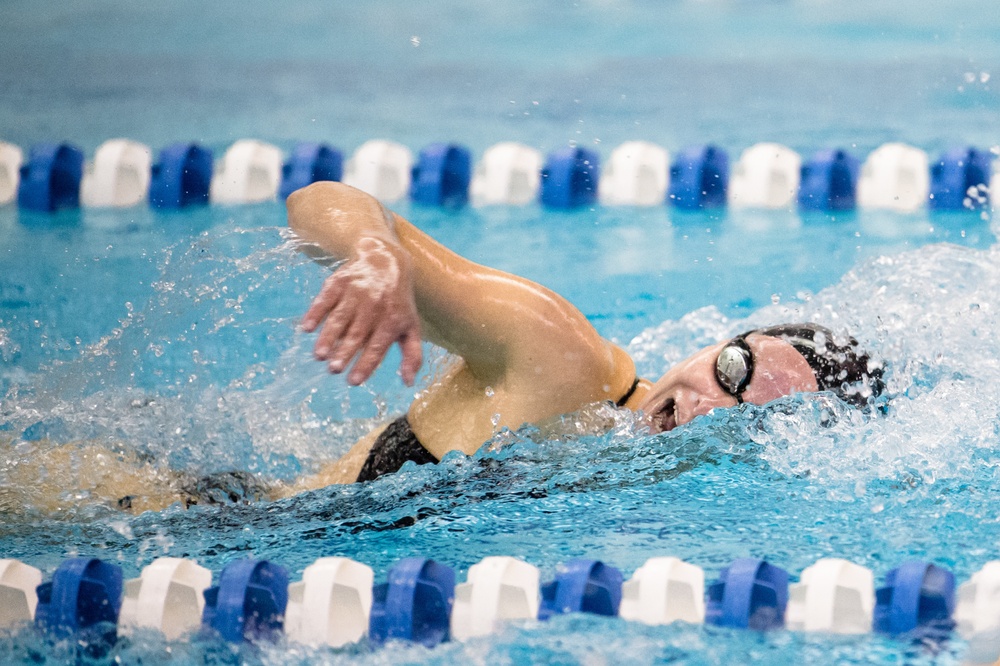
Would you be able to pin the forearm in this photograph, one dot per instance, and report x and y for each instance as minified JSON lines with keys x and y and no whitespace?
{"x":339,"y":219}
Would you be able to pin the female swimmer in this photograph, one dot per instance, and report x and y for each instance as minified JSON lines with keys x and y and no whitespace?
{"x":521,"y":351}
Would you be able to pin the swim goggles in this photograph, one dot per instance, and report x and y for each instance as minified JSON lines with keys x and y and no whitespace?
{"x":734,"y":367}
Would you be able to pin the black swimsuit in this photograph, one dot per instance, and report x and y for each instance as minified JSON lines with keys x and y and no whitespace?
{"x":394,"y":446}
{"x":397,"y":444}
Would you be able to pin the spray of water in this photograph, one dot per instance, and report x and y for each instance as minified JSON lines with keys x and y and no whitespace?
{"x":931,"y":316}
{"x":212,"y":375}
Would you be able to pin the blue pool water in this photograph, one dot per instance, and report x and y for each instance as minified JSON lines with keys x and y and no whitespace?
{"x":174,"y":335}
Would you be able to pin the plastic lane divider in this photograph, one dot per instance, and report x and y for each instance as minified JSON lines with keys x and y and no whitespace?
{"x":508,"y":174}
{"x":636,"y":174}
{"x":250,"y":172}
{"x":829,"y":181}
{"x":750,"y":594}
{"x":569,"y":178}
{"x":168,"y":596}
{"x":959,"y":179}
{"x":415,"y":603}
{"x":18,"y":596}
{"x":249,"y":602}
{"x":50,"y":179}
{"x":119,"y":175}
{"x":332,"y":603}
{"x":582,"y":586}
{"x":309,"y":163}
{"x":664,"y":590}
{"x":181,"y":176}
{"x":83,"y":593}
{"x":916,"y":595}
{"x":335,"y":602}
{"x":497,"y":589}
{"x":766,"y":176}
{"x":896,"y":177}
{"x":977,"y":606}
{"x":380,"y":168}
{"x":699,"y":178}
{"x":441,"y":175}
{"x":977,"y":615}
{"x":11,"y":158}
{"x":833,"y":595}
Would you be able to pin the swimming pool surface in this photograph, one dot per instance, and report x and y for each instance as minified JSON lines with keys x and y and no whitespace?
{"x":174,"y":335}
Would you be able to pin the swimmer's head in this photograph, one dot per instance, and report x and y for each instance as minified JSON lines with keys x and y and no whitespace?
{"x":759,"y":366}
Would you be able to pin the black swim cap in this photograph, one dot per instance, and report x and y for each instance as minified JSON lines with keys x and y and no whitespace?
{"x":843,"y":370}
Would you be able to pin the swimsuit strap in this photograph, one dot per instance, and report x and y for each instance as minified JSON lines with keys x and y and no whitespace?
{"x":628,"y":394}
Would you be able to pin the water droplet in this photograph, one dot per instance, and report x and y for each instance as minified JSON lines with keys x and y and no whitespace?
{"x":489,"y":392}
{"x":495,"y":420}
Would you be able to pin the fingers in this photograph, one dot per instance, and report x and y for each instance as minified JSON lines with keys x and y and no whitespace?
{"x":364,"y":316}
{"x":370,"y":344}
{"x":328,"y":297}
{"x":413,"y":355}
{"x":337,"y":322}
{"x":371,"y":357}
{"x":352,"y":340}
{"x":377,"y":346}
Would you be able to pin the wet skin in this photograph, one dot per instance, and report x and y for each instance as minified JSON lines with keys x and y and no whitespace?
{"x":523,"y":354}
{"x":690,"y":389}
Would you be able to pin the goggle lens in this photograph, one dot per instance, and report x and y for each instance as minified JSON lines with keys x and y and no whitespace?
{"x":734,"y":367}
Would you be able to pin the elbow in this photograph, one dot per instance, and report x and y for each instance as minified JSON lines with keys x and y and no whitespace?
{"x":296,"y":205}
{"x":305,"y":203}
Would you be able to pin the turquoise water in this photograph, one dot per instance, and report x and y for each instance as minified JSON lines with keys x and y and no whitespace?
{"x":174,"y":335}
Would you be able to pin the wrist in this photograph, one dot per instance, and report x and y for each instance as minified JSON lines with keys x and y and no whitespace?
{"x":383,"y":254}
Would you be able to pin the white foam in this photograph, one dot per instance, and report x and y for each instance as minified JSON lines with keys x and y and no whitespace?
{"x":932,"y":315}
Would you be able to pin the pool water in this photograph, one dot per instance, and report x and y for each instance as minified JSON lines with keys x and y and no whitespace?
{"x":173,"y":336}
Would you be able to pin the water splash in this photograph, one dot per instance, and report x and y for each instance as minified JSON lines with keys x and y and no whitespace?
{"x":209,"y":374}
{"x":798,"y":479}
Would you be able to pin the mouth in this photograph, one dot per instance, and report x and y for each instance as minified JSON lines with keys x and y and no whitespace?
{"x":666,"y":418}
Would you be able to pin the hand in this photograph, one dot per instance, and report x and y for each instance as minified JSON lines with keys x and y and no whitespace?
{"x":368,"y":305}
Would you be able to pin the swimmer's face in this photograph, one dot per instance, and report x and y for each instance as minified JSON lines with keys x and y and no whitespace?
{"x":691,"y":389}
